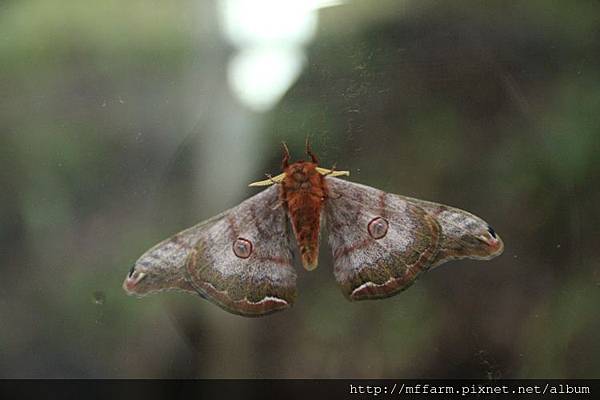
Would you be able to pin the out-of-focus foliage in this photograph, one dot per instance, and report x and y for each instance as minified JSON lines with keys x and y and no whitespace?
{"x":117,"y":129}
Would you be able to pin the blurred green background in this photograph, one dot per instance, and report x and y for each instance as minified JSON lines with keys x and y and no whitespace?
{"x":120,"y":125}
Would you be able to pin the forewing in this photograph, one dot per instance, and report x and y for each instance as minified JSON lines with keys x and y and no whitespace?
{"x":375,"y":259}
{"x":464,"y":235}
{"x":243,"y":261}
{"x":202,"y":259}
{"x":163,"y":266}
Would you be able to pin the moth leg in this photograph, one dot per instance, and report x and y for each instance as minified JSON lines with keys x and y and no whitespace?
{"x":270,"y":178}
{"x":332,"y":172}
{"x":334,"y":197}
{"x":271,"y":181}
{"x":277,"y":205}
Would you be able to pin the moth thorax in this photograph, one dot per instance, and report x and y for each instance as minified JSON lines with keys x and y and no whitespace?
{"x":300,"y":176}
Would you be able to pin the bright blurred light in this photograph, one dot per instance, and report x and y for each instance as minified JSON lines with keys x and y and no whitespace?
{"x":259,"y":76}
{"x":280,"y":22}
{"x":270,"y":36}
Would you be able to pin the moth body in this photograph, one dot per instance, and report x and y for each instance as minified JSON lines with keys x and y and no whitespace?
{"x":303,"y":192}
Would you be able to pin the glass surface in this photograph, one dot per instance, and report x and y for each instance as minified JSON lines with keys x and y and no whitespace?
{"x":122,"y":123}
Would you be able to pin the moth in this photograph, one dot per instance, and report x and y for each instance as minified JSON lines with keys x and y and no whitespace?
{"x":242,"y":259}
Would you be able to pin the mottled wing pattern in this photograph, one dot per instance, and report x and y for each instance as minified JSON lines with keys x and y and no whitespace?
{"x":259,"y":282}
{"x":381,"y":243}
{"x":203,"y":259}
{"x":464,"y":235}
{"x":163,"y":266}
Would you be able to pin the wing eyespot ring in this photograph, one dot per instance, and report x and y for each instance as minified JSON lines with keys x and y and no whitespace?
{"x":378,"y":227}
{"x":242,"y":248}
